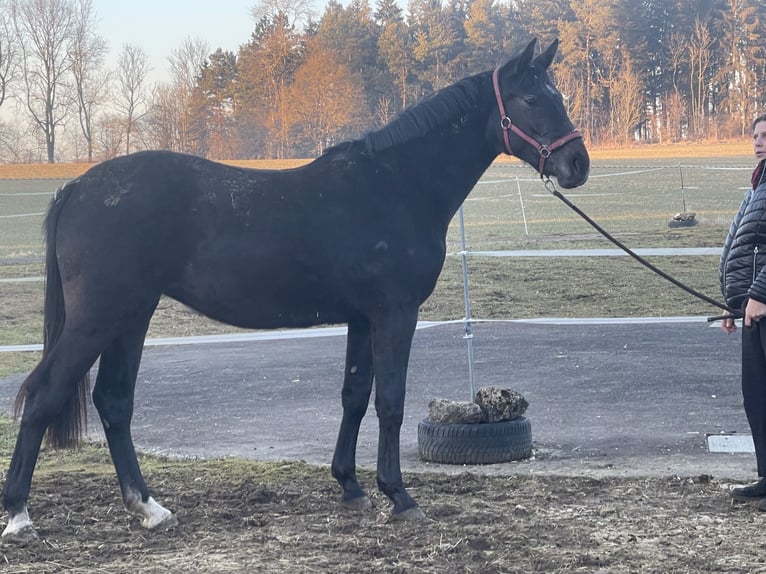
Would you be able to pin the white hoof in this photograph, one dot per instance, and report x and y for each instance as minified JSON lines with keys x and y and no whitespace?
{"x":413,"y":514}
{"x":153,"y":515}
{"x":20,"y":529}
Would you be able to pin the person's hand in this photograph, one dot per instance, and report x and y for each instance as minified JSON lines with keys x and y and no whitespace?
{"x":754,"y":311}
{"x":728,"y":325}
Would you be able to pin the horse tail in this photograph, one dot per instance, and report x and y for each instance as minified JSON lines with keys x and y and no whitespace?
{"x":66,"y":427}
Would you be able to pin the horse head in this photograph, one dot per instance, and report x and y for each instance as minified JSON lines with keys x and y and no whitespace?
{"x":533,"y":124}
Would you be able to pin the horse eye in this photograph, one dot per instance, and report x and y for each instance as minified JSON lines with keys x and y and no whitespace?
{"x":530,"y":100}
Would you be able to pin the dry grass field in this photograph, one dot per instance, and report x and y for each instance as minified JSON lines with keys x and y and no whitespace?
{"x":68,"y":170}
{"x":670,"y":152}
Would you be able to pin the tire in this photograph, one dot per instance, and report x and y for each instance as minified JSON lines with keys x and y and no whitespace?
{"x":481,"y":443}
{"x":688,"y":223}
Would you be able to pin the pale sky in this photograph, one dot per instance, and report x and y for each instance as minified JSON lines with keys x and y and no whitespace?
{"x":160,"y":26}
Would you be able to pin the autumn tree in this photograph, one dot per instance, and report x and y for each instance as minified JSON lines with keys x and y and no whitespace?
{"x":266,"y":67}
{"x":394,"y":47}
{"x":484,"y":35}
{"x":352,"y":34}
{"x":739,"y":23}
{"x":434,"y":40}
{"x":213,"y":106}
{"x":325,"y":102}
{"x":541,"y":18}
{"x":591,"y":37}
{"x":680,"y":70}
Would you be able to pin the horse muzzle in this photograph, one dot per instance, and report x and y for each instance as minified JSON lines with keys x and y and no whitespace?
{"x":569,"y":164}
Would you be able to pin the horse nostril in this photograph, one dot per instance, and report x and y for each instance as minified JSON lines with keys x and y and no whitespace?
{"x":580,"y":166}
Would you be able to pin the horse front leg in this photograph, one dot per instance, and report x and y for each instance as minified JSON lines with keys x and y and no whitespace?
{"x":391,"y":341}
{"x":357,"y":387}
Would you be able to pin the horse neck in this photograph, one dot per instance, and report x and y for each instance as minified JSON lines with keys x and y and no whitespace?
{"x":438,"y":170}
{"x":446,"y":164}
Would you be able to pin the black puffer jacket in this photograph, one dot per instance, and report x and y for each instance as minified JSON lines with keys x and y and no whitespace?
{"x":742,"y":270}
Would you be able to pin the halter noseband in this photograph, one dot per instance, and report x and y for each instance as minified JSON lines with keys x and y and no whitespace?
{"x":545,"y":150}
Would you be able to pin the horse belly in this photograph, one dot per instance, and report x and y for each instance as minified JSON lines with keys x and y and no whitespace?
{"x":258,"y":317}
{"x":266,"y":304}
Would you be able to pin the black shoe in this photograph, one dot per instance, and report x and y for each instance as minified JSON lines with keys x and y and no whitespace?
{"x":751,"y":492}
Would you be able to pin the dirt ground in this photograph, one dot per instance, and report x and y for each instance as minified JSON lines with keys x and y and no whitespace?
{"x":285,"y":517}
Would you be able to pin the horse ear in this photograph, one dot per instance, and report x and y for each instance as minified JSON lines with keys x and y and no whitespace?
{"x":520,"y":62}
{"x":544,"y":60}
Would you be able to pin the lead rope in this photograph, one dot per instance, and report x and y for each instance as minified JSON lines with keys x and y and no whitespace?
{"x":551,"y":187}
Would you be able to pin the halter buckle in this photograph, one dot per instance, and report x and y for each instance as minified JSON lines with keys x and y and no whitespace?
{"x":506,"y":123}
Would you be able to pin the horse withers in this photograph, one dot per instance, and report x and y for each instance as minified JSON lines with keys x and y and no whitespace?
{"x":357,"y":237}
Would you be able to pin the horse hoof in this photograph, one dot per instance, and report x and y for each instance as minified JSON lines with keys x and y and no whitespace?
{"x":413,"y":514}
{"x":168,"y":522}
{"x":358,"y":503}
{"x":24,"y":535}
{"x":153,"y":516}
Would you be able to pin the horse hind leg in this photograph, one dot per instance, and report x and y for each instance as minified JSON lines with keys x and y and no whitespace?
{"x":113,"y":396}
{"x":357,"y":387}
{"x":47,"y":389}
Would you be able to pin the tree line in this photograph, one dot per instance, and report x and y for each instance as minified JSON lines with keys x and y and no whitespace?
{"x":656,"y":71}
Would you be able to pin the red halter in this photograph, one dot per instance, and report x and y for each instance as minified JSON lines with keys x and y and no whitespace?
{"x":507,"y":125}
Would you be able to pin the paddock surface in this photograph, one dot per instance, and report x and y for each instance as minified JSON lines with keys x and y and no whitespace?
{"x":614,"y":398}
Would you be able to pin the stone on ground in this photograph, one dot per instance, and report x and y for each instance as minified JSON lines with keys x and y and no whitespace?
{"x":498,"y":404}
{"x":454,"y":412}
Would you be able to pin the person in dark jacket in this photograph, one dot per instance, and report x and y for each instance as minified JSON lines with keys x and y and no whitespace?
{"x":742,"y":273}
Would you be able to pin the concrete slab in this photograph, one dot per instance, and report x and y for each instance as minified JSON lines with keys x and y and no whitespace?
{"x":730,"y":443}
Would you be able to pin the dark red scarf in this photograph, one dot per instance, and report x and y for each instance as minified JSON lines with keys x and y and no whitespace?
{"x":758,"y":173}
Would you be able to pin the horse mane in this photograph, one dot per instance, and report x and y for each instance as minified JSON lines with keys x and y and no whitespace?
{"x":435,"y":110}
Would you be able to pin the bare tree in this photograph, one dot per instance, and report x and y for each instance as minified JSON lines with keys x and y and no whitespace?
{"x":624,"y":83}
{"x":186,"y":65}
{"x":111,"y":135}
{"x":8,"y":50}
{"x":699,"y":50}
{"x":162,"y":121}
{"x":87,"y":60}
{"x":130,"y":99}
{"x":46,"y":29}
{"x":299,"y":13}
{"x":14,"y":143}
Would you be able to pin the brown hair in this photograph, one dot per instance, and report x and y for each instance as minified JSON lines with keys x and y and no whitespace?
{"x":759,"y":119}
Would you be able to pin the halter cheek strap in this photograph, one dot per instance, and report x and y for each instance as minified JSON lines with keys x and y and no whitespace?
{"x":507,"y":125}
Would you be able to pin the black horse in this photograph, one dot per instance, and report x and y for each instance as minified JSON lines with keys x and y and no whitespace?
{"x":356,"y":237}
